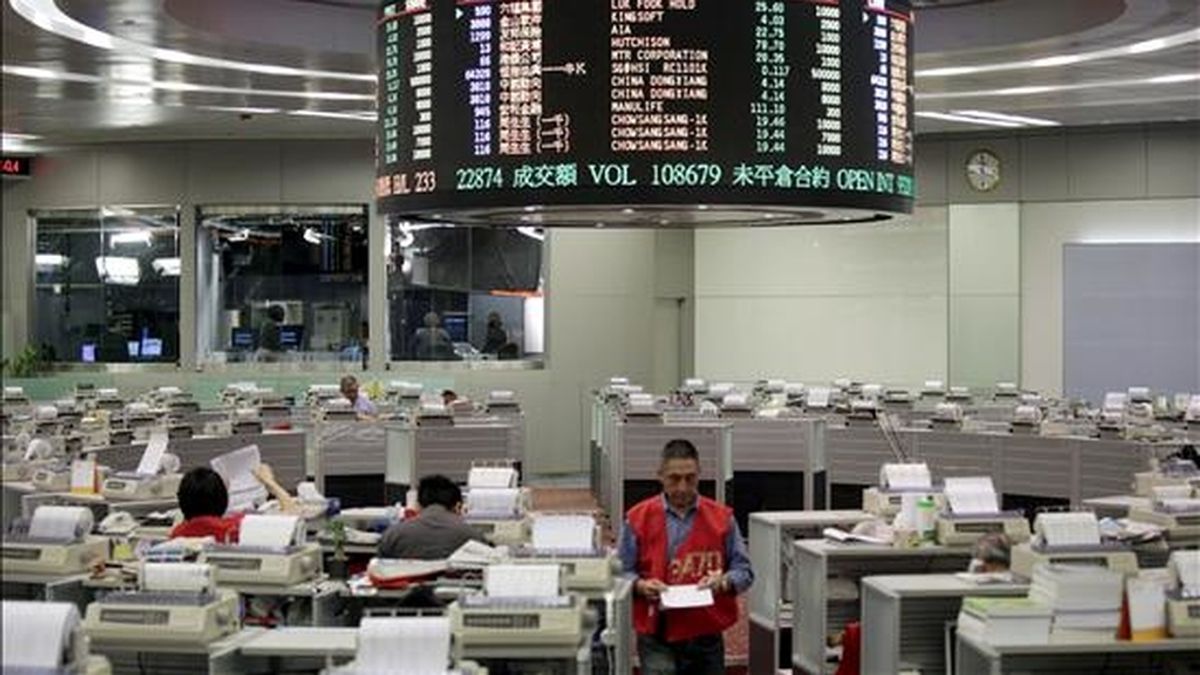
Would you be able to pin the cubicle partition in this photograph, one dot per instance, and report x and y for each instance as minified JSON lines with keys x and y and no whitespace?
{"x":416,"y":451}
{"x":352,"y":456}
{"x":635,"y":454}
{"x":778,"y":465}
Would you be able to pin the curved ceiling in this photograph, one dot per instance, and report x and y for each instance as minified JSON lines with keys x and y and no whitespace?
{"x":79,"y":70}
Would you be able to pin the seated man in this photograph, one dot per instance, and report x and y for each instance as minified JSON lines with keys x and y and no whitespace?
{"x":363,"y":406}
{"x":438,"y":529}
{"x":204,"y":499}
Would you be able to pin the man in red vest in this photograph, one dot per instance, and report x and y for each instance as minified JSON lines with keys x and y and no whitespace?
{"x":680,"y":538}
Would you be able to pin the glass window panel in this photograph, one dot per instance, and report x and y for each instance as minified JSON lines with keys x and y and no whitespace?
{"x":107,"y":285}
{"x":457,"y":293}
{"x":286,"y":283}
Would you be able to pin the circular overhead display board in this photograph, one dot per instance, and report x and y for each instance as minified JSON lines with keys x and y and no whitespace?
{"x":645,"y":112}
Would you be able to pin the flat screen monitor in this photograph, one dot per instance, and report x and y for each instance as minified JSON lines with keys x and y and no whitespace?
{"x":134,"y":348}
{"x":87,"y":352}
{"x":291,"y":336}
{"x":152,"y":348}
{"x":456,"y":326}
{"x":242,"y":338}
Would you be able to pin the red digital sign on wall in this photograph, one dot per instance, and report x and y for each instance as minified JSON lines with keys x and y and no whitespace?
{"x":19,"y":167}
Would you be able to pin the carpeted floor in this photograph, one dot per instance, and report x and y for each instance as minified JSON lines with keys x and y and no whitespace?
{"x":581,"y":499}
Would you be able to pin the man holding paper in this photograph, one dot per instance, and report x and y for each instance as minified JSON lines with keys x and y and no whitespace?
{"x":690,"y":562}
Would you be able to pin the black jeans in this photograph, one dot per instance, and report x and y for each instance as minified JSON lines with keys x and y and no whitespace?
{"x":704,"y":655}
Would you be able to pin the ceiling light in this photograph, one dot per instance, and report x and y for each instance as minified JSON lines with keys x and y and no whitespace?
{"x":45,"y":14}
{"x":532,"y":208}
{"x":121,"y":271}
{"x":1155,"y":44}
{"x":357,"y":115}
{"x":948,"y":117}
{"x":50,"y":260}
{"x":1004,"y":117}
{"x":36,"y":73}
{"x":168,"y":267}
{"x":1172,"y":79}
{"x":1046,"y":89}
{"x":133,"y":237}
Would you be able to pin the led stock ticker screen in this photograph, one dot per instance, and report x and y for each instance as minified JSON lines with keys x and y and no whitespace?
{"x":644,"y":112}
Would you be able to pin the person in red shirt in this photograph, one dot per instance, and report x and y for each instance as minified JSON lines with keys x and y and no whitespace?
{"x":681,"y":538}
{"x":204,"y":499}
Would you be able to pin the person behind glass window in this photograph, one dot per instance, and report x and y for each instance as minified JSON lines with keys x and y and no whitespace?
{"x":358,"y":398}
{"x":269,"y":346}
{"x":496,"y":337}
{"x":432,"y":342}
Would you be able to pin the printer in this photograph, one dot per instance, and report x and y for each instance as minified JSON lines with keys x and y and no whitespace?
{"x":959,"y":394}
{"x":1026,"y":419}
{"x":1071,"y":538}
{"x":974,"y":510}
{"x":642,"y":407}
{"x":1176,"y":511}
{"x":93,"y":432}
{"x":1167,"y":473}
{"x":52,"y":477}
{"x":502,"y":400}
{"x":1005,"y":390}
{"x":134,"y":486}
{"x":318,"y":394}
{"x":933,"y":389}
{"x":694,"y":386}
{"x":520,"y":605}
{"x":569,"y":541}
{"x":56,"y":541}
{"x":15,"y":396}
{"x":496,"y":506}
{"x":1192,"y":414}
{"x":271,"y":551}
{"x":863,"y":412}
{"x":272,"y":406}
{"x":895,"y":481}
{"x":236,"y":394}
{"x":176,"y":604}
{"x":338,"y":409}
{"x":1183,"y":601}
{"x":247,"y":421}
{"x":20,"y":463}
{"x":404,"y":393}
{"x":736,"y":404}
{"x":947,"y":415}
{"x":55,"y":623}
{"x":433,"y":413}
{"x":109,"y":398}
{"x":896,"y":396}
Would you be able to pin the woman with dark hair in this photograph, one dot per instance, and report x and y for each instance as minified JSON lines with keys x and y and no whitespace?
{"x":204,"y":499}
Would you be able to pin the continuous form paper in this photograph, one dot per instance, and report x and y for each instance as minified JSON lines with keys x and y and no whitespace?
{"x":493,"y":501}
{"x":152,"y":458}
{"x":37,"y":633}
{"x":237,"y":469}
{"x":563,"y":533}
{"x":521,"y":581}
{"x":972,"y":495}
{"x":62,"y":523}
{"x":271,"y":531}
{"x":403,"y":646}
{"x":191,"y":577}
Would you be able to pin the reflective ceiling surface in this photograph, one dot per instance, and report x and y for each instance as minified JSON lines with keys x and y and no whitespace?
{"x":85,"y":70}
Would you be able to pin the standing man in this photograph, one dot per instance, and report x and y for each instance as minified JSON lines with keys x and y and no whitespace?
{"x":682,"y":538}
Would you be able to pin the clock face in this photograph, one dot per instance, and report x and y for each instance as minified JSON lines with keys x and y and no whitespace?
{"x":983,"y":170}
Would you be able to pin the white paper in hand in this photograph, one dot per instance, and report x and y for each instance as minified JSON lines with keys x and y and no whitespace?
{"x":685,"y":596}
{"x":153,"y":456}
{"x":237,"y":469}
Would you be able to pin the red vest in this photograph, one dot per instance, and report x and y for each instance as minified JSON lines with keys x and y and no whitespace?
{"x":224,"y":530}
{"x":703,"y":551}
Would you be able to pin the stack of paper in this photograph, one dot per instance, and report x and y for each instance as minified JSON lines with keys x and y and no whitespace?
{"x":1068,"y":529}
{"x":972,"y":495}
{"x":403,"y":646}
{"x":1005,"y":621}
{"x":492,"y":477}
{"x":522,"y":581}
{"x":1085,"y":599}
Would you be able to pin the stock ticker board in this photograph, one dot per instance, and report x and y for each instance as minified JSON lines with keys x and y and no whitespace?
{"x":645,"y":112}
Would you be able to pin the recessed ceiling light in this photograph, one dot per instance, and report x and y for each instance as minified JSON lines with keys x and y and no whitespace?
{"x":949,"y":117}
{"x":46,"y":14}
{"x":532,"y":207}
{"x":702,"y":207}
{"x":1004,"y":117}
{"x":1172,"y":79}
{"x":1048,"y":89}
{"x":1143,"y":47}
{"x":37,"y":73}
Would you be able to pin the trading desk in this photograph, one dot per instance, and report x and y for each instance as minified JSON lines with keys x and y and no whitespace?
{"x":904,"y":618}
{"x":975,"y":657}
{"x":826,"y":593}
{"x":414,"y":451}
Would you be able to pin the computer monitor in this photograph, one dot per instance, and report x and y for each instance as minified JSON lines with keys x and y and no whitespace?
{"x":456,"y":326}
{"x":242,"y":338}
{"x":291,"y":336}
{"x":152,"y":348}
{"x":87,"y":352}
{"x":134,"y":348}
